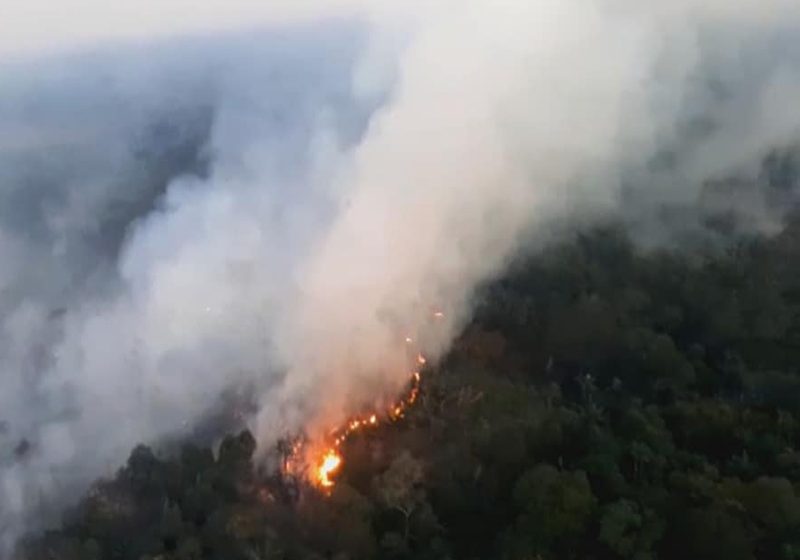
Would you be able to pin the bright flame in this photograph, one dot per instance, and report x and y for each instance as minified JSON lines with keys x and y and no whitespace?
{"x":325,"y":466}
{"x":331,"y":462}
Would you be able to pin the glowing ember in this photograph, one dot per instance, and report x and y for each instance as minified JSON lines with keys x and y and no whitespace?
{"x":331,"y":462}
{"x":320,"y":461}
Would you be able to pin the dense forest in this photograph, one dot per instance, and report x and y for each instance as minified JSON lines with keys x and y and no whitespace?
{"x":604,"y":403}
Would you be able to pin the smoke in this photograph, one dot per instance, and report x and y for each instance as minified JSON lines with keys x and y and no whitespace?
{"x":273,"y":211}
{"x":154,"y":203}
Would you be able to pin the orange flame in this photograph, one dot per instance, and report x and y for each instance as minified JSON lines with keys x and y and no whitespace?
{"x":331,"y":461}
{"x":327,"y":461}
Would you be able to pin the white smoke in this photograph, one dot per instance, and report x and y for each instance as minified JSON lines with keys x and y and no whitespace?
{"x":325,"y":185}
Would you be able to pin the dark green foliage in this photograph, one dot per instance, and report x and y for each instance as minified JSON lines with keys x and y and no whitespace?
{"x":603,"y":404}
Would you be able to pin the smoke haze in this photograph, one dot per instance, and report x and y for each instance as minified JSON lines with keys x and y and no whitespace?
{"x":189,"y":209}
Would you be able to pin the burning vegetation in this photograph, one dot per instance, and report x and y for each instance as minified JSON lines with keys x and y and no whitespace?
{"x":318,"y":461}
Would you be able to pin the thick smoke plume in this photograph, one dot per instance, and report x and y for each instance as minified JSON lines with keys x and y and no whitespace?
{"x":272,"y":211}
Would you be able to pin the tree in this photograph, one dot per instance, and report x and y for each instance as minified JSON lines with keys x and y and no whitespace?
{"x":630,"y":531}
{"x":715,"y":532}
{"x":555,"y":506}
{"x":400,"y":487}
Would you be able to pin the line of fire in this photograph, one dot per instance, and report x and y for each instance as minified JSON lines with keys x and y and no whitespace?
{"x":308,"y":465}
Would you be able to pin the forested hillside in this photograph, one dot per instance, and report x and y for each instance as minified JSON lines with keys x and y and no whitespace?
{"x":605,"y":403}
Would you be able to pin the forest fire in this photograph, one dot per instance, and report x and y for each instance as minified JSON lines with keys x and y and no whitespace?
{"x":320,"y":461}
{"x":327,"y":462}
